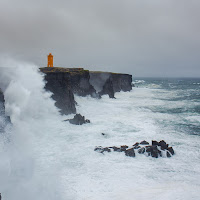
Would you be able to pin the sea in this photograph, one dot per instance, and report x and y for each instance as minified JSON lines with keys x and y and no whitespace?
{"x":44,"y":157}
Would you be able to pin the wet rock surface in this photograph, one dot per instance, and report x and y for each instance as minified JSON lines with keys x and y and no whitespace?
{"x":108,"y":89}
{"x":109,"y":83}
{"x":58,"y":83}
{"x":64,"y":83}
{"x":156,"y":150}
{"x":4,"y":120}
{"x":144,"y":142}
{"x":130,"y":152}
{"x":78,"y":120}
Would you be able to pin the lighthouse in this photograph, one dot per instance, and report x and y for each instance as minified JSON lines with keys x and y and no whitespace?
{"x":50,"y":60}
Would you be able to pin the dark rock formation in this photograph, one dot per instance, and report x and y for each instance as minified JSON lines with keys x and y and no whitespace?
{"x":157,"y":150}
{"x":78,"y":120}
{"x":107,"y":89}
{"x":5,"y":120}
{"x":80,"y":85}
{"x":171,"y":150}
{"x":168,"y":154}
{"x":65,"y":82}
{"x":109,"y":83}
{"x":102,"y":150}
{"x":116,"y":149}
{"x":123,"y":148}
{"x":130,"y":152}
{"x":153,"y":151}
{"x":163,"y":144}
{"x":58,"y":83}
{"x":141,"y":150}
{"x":2,"y":101}
{"x":144,"y":142}
{"x":155,"y":142}
{"x":136,"y":144}
{"x":121,"y":82}
{"x":137,"y":147}
{"x":106,"y":149}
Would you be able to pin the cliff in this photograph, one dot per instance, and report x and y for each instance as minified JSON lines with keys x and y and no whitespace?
{"x":109,"y":83}
{"x":64,"y":83}
{"x":2,"y":101}
{"x":58,"y":83}
{"x":4,"y":120}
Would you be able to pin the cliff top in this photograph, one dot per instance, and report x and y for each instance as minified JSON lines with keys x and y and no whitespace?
{"x":60,"y":69}
{"x":100,"y":72}
{"x":71,"y":70}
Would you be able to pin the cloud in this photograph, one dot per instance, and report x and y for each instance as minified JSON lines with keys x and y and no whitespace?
{"x":145,"y":38}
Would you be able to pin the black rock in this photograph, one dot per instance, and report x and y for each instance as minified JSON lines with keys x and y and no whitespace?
{"x":103,"y":134}
{"x":99,"y":149}
{"x":124,"y":147}
{"x":153,"y":151}
{"x":106,"y":149}
{"x":163,"y":144}
{"x":79,"y":120}
{"x":136,"y":144}
{"x":171,"y":150}
{"x":116,"y":149}
{"x":58,"y":84}
{"x":137,"y":147}
{"x":155,"y":143}
{"x":108,"y":89}
{"x":168,"y":154}
{"x":87,"y":121}
{"x":130,"y":152}
{"x":142,"y":150}
{"x":144,"y":142}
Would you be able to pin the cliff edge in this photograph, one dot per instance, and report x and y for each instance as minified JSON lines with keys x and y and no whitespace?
{"x":64,"y":83}
{"x":4,"y":120}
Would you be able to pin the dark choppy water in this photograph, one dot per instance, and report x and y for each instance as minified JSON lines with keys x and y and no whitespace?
{"x":181,"y":99}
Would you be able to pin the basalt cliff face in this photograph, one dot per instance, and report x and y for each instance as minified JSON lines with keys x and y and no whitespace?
{"x":109,"y":83}
{"x":4,"y":120}
{"x":59,"y":84}
{"x":64,"y":83}
{"x":2,"y":106}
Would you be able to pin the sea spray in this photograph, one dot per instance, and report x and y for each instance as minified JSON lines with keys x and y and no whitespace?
{"x":48,"y":158}
{"x":25,"y":171}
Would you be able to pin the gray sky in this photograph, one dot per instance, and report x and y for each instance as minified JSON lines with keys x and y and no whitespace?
{"x":141,"y":37}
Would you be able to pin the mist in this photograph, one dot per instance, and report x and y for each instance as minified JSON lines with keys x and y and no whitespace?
{"x":33,"y":114}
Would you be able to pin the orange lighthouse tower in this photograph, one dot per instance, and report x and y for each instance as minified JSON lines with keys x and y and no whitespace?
{"x":50,"y":60}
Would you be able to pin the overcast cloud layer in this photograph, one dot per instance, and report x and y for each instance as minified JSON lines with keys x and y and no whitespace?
{"x":141,"y":37}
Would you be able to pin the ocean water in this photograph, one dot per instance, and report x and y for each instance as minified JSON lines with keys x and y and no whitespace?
{"x":43,"y":157}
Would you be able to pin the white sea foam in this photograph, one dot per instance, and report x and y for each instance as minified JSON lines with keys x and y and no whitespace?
{"x":27,"y":167}
{"x":196,"y":83}
{"x":51,"y":159}
{"x":138,"y":81}
{"x":127,"y":120}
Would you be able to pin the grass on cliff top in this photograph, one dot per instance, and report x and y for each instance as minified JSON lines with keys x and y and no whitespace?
{"x":73,"y":71}
{"x":62,"y":69}
{"x":100,"y":72}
